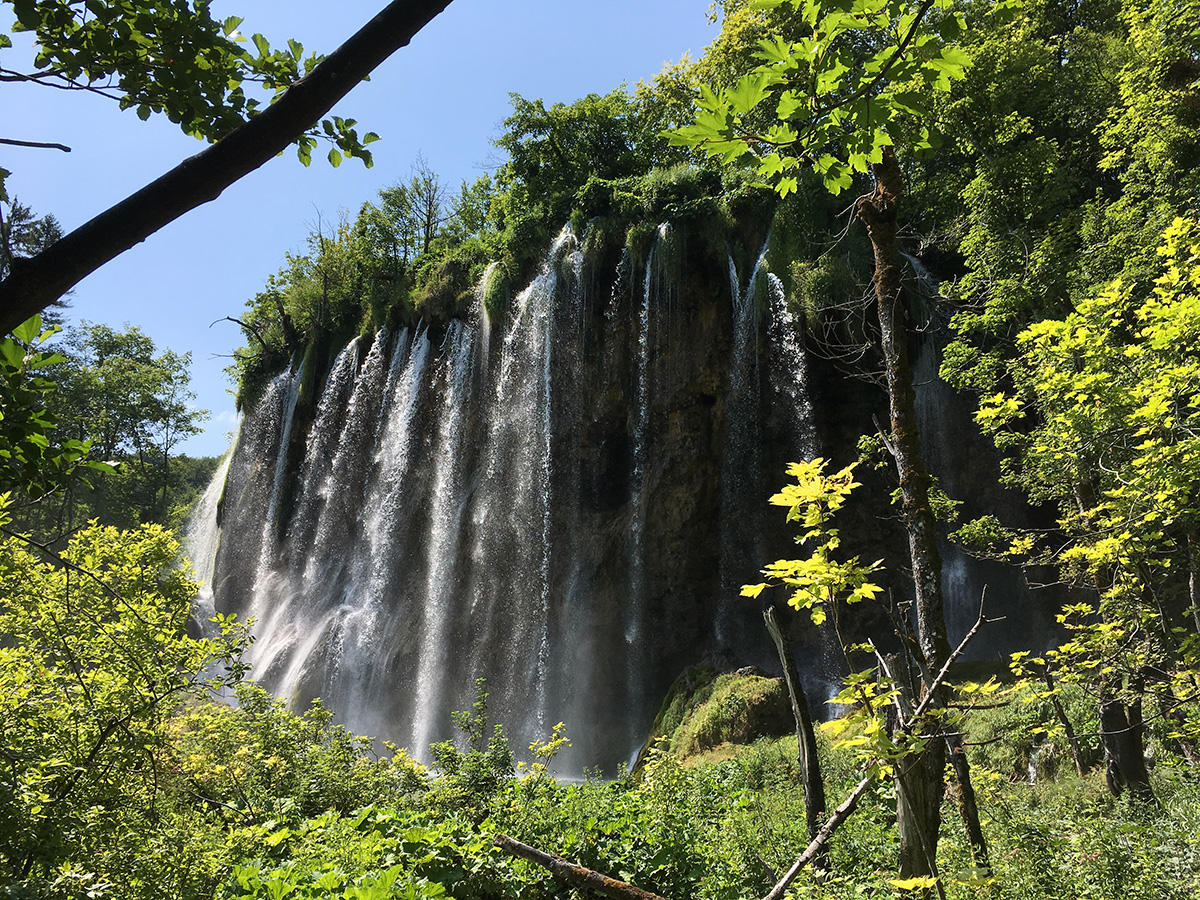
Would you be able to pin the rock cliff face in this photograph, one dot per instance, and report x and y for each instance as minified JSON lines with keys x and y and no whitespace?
{"x":564,"y":502}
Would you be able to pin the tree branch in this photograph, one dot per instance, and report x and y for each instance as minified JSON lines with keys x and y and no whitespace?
{"x":38,"y":145}
{"x":37,"y":282}
{"x":840,"y":815}
{"x":248,"y":326}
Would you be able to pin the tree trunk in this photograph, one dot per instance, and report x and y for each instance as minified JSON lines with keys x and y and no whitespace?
{"x":919,"y":788}
{"x":1121,"y":734}
{"x":1068,"y":728}
{"x":968,"y":807}
{"x":1193,"y":552}
{"x":918,"y":778}
{"x":41,"y":280}
{"x":574,"y":874}
{"x":806,"y":738}
{"x":920,"y":783}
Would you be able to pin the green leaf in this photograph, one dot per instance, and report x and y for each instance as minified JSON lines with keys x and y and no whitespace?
{"x":29,"y":330}
{"x":789,"y":103}
{"x":335,"y":157}
{"x":751,"y":90}
{"x":920,"y":882}
{"x":952,"y":26}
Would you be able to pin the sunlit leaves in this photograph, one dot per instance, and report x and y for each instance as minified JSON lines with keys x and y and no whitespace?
{"x":817,"y":582}
{"x":861,"y":67}
{"x":33,"y":460}
{"x":1101,"y":419}
{"x":96,"y":655}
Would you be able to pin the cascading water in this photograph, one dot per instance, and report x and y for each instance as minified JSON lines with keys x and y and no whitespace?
{"x":742,"y":491}
{"x":201,"y":541}
{"x":964,"y":469}
{"x":542,"y":501}
{"x":789,"y":369}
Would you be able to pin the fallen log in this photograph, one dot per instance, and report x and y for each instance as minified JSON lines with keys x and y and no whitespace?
{"x":575,"y":874}
{"x":581,"y":876}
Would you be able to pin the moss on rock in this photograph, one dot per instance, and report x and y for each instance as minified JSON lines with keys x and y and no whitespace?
{"x":706,"y":708}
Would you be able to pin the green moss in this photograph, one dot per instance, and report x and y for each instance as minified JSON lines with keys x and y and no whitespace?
{"x":497,"y":292}
{"x":706,"y":709}
{"x":822,"y":286}
{"x":638,"y":241}
{"x":740,"y":708}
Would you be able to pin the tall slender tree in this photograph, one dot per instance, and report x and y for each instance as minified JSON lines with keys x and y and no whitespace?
{"x":842,"y":99}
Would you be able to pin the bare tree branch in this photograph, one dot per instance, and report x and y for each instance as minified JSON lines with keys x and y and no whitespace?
{"x":248,"y":326}
{"x":574,"y":874}
{"x":37,"y":145}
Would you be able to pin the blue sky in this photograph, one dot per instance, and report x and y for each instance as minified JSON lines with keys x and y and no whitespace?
{"x":443,"y":96}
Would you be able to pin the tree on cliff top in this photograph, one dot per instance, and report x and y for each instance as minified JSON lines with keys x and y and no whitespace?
{"x":175,"y":59}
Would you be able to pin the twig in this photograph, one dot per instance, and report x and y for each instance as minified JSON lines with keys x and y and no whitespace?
{"x":962,"y":645}
{"x":37,"y":145}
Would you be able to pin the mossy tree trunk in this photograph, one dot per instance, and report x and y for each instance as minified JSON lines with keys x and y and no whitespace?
{"x":919,"y":779}
{"x":1121,"y":734}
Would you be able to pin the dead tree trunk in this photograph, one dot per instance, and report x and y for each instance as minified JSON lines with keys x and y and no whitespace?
{"x":968,"y":806}
{"x":806,"y":738}
{"x":1068,"y":728}
{"x":572,"y":873}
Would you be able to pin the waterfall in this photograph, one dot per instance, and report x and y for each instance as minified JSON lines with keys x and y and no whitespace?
{"x":544,"y":500}
{"x":202,"y":540}
{"x":742,"y":484}
{"x":964,"y":466}
{"x":655,"y":285}
{"x":438,"y":607}
{"x":789,"y":370}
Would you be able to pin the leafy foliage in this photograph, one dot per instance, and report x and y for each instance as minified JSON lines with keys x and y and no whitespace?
{"x":840,"y":93}
{"x":171,"y":58}
{"x":130,"y":404}
{"x":96,"y":657}
{"x":818,"y":582}
{"x":30,"y":463}
{"x":1100,"y":422}
{"x":257,"y":761}
{"x":471,"y":778}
